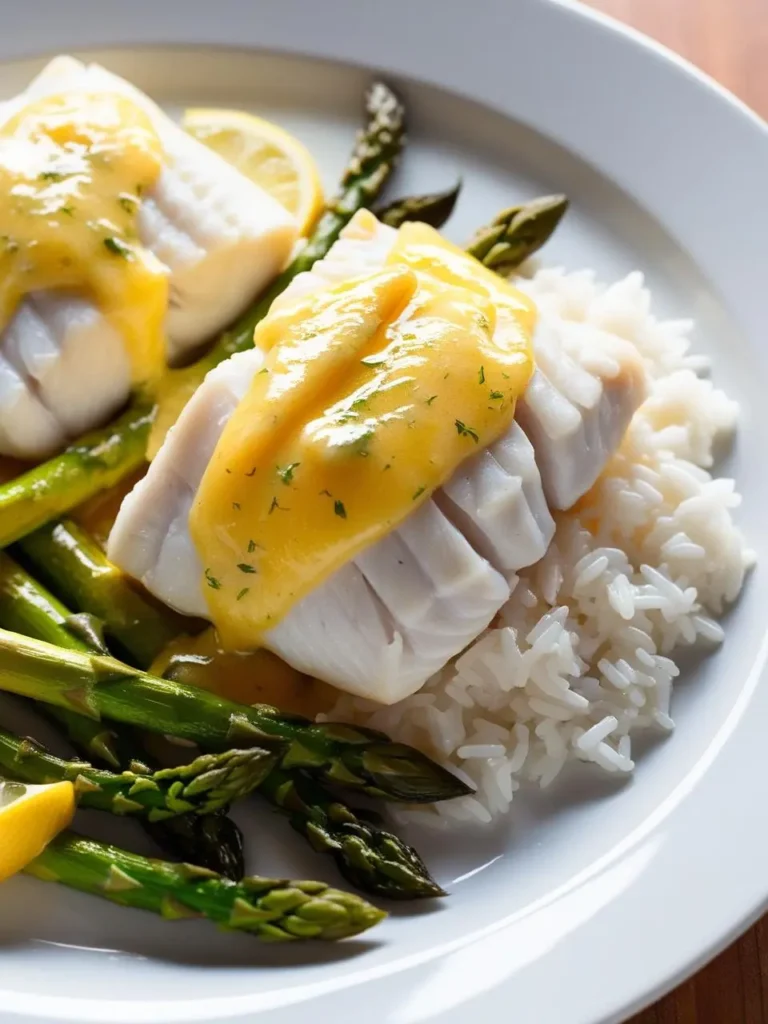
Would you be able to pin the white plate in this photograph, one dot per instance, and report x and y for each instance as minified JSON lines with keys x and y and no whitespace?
{"x":596,"y":898}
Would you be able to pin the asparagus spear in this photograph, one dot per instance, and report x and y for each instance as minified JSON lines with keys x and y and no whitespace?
{"x":66,"y":558}
{"x":105,"y":456}
{"x":273,"y":910}
{"x":517,"y":233}
{"x":213,"y":840}
{"x":434,"y":208}
{"x":96,"y":685}
{"x":367,"y":856}
{"x":372,"y":859}
{"x":209,"y":783}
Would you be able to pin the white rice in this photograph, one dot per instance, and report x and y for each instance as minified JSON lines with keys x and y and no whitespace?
{"x":580,"y":659}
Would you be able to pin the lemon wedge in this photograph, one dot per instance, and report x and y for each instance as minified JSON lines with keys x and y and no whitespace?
{"x":30,"y":817}
{"x":266,"y":154}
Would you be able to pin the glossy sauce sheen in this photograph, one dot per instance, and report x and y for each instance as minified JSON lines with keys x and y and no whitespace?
{"x":73,"y":169}
{"x":372,"y":394}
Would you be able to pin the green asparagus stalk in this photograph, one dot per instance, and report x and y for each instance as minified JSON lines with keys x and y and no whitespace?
{"x":67,"y":559}
{"x":369,"y":857}
{"x":212,"y":840}
{"x":100,"y":686}
{"x":105,"y":456}
{"x":434,"y":208}
{"x":209,"y":783}
{"x":517,"y":233}
{"x":272,"y":910}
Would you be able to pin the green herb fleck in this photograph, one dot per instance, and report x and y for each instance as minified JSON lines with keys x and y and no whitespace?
{"x":483,"y":323}
{"x":360,"y":403}
{"x":327,"y":494}
{"x":418,"y":494}
{"x":496,"y":396}
{"x":465,"y":431}
{"x":275,"y":504}
{"x":481,"y":376}
{"x":67,"y":210}
{"x":388,"y":466}
{"x":338,"y":508}
{"x":431,"y":399}
{"x":118,"y":248}
{"x":286,"y":472}
{"x":50,"y":176}
{"x":251,"y":546}
{"x":242,"y":593}
{"x":211,"y":580}
{"x":236,"y":506}
{"x":128,"y":203}
{"x":262,"y":370}
{"x":505,"y":376}
{"x":244,"y":567}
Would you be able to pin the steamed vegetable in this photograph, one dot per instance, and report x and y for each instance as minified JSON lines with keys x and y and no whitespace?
{"x":517,"y":233}
{"x":69,"y":561}
{"x":212,"y":840}
{"x":97,"y":685}
{"x":209,"y":783}
{"x":369,"y":857}
{"x":105,"y":456}
{"x":434,"y":208}
{"x":273,"y":910}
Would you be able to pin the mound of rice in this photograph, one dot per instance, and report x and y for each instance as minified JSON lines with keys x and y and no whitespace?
{"x":581,"y":657}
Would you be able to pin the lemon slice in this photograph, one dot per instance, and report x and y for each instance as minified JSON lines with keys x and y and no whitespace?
{"x":30,"y":817}
{"x":266,"y":154}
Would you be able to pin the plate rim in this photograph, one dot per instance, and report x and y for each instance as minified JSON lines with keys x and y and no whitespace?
{"x":644,"y":70}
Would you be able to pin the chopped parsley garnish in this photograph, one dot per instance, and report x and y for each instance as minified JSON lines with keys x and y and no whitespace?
{"x":262,"y":370}
{"x":275,"y":504}
{"x":481,"y":376}
{"x":252,"y":472}
{"x":505,"y":376}
{"x":211,"y":580}
{"x":483,"y":323}
{"x":388,"y":466}
{"x":496,"y":395}
{"x":286,"y":472}
{"x":68,"y":210}
{"x":418,"y":494}
{"x":431,"y":399}
{"x":50,"y":176}
{"x":128,"y":203}
{"x":242,"y":593}
{"x":236,"y":506}
{"x":251,"y":546}
{"x":327,"y":494}
{"x":465,"y":431}
{"x":360,"y":403}
{"x":338,"y":508}
{"x":244,"y":567}
{"x":118,"y":248}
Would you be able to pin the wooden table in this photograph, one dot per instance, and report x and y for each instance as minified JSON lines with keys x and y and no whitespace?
{"x":729,"y":40}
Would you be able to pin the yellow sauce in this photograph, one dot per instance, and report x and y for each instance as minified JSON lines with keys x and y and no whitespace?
{"x":258,"y":677}
{"x":371,"y":395}
{"x":73,"y":169}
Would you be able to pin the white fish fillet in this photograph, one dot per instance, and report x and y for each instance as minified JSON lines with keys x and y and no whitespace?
{"x":379,"y":627}
{"x":585,"y":390}
{"x":63,"y":368}
{"x":385,"y":622}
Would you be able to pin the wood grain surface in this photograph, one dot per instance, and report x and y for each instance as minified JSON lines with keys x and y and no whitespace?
{"x":729,"y":40}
